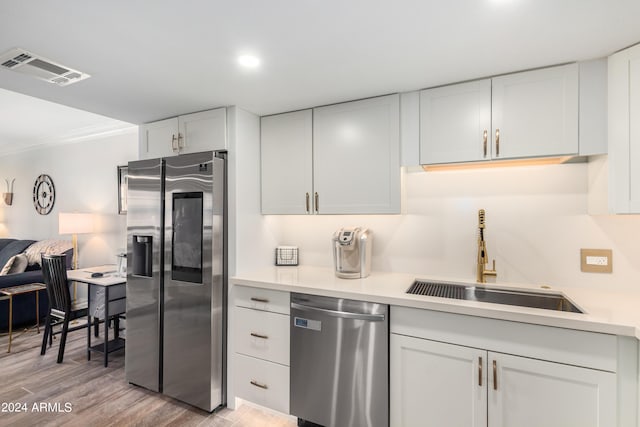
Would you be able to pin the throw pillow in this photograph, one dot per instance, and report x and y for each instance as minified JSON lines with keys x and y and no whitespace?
{"x":46,"y":247}
{"x":16,"y":264}
{"x":13,"y":248}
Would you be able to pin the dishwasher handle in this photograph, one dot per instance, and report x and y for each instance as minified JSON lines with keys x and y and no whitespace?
{"x":343,"y":314}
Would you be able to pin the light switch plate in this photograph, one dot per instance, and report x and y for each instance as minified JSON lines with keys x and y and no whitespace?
{"x":596,"y":260}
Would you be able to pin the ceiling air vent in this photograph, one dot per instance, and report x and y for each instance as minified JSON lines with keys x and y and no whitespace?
{"x":24,"y":62}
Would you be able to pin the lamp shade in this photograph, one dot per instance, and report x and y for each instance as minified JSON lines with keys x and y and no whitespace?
{"x":75,"y":223}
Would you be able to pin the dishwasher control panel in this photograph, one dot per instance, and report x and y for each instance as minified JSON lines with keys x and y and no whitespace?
{"x":314,"y":325}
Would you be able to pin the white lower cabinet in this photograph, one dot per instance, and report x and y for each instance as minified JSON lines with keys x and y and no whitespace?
{"x":468,"y":387}
{"x":437,"y":384}
{"x":262,"y":334}
{"x":261,"y":337}
{"x":527,"y":392}
{"x":434,"y":383}
{"x":262,"y":382}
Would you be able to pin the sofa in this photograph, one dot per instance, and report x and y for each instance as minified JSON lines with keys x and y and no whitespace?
{"x":19,"y":265}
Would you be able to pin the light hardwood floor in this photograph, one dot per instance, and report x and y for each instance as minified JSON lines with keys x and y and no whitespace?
{"x":98,"y":396}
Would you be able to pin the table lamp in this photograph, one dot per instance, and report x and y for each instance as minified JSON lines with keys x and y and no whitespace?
{"x":74,"y":224}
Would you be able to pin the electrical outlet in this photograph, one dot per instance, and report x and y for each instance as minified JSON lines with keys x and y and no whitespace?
{"x":596,"y":260}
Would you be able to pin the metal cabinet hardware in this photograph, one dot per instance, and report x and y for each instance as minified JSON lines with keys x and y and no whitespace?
{"x":480,"y":371}
{"x":264,"y":337}
{"x":256,"y":299}
{"x":174,"y":143}
{"x":180,"y":141}
{"x":485,"y":135}
{"x":497,"y":142}
{"x":495,"y":376}
{"x":257,"y":384}
{"x":307,"y":202}
{"x":316,"y":201}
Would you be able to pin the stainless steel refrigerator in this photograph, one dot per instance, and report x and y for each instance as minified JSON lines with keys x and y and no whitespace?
{"x":176,"y":274}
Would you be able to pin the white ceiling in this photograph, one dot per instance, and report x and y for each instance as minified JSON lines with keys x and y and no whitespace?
{"x":152,"y":59}
{"x":27,"y":122}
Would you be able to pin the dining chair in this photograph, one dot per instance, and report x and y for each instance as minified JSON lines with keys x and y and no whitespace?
{"x":62,"y":309}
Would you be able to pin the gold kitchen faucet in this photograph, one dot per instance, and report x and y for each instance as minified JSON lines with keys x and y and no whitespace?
{"x":483,"y":258}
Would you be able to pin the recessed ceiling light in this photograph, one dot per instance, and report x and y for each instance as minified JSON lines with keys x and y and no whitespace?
{"x":249,"y":61}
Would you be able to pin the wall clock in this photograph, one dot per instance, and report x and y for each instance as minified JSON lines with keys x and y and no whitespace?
{"x":44,"y":194}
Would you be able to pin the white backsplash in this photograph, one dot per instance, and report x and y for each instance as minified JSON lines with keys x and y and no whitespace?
{"x":536,"y":219}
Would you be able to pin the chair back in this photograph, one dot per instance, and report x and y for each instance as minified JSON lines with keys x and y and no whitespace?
{"x":54,"y":271}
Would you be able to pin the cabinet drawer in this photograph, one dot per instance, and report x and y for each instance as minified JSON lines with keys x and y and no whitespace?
{"x":263,"y":335}
{"x":262,"y":299}
{"x":117,"y":300}
{"x":261,"y":382}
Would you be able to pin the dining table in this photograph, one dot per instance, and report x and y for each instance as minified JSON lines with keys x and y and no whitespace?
{"x":106,"y":301}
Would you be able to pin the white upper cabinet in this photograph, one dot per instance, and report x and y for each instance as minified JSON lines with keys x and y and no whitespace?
{"x":535,"y":113}
{"x":624,"y":131}
{"x":356,"y":157}
{"x":156,"y":138}
{"x":286,"y":161}
{"x":203,"y":131}
{"x":339,"y":159}
{"x":455,"y":123}
{"x":521,"y":115}
{"x":191,"y":133}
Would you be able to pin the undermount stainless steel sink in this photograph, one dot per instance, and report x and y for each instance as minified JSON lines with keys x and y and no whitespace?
{"x":522,"y":298}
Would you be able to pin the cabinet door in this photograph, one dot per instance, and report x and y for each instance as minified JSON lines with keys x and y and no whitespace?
{"x":624,"y":130}
{"x":455,"y":123}
{"x":532,"y":393}
{"x":535,"y":113}
{"x":356,"y":156}
{"x":436,"y":384}
{"x":634,"y":130}
{"x":203,"y":131}
{"x":286,"y":152}
{"x":159,"y":139}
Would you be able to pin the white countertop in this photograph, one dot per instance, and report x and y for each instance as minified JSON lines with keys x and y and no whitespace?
{"x":608,"y":312}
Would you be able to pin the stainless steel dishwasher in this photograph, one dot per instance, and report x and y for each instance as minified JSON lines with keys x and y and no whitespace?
{"x":339,"y":362}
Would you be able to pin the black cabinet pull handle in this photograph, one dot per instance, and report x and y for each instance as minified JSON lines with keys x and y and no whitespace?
{"x":264,"y":337}
{"x":257,"y":384}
